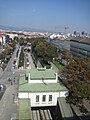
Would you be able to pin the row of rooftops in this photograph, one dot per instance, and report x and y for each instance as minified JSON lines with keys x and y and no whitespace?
{"x":81,"y":39}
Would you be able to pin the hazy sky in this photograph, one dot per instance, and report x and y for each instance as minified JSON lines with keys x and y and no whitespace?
{"x":46,"y":14}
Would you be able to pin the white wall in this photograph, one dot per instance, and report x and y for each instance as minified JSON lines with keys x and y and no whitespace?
{"x":63,"y":94}
{"x":32,"y":96}
{"x":4,"y":40}
{"x":23,"y":95}
{"x":1,"y":40}
{"x":42,"y":81}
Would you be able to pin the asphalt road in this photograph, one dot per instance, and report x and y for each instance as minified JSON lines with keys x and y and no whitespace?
{"x":31,"y":65}
{"x":7,"y":105}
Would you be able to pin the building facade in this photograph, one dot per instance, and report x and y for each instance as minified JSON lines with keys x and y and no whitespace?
{"x":2,"y":39}
{"x":80,"y":48}
{"x":41,"y":87}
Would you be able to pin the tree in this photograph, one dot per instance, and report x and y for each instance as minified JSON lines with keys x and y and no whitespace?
{"x":79,"y":91}
{"x":78,"y":69}
{"x":66,"y":54}
{"x":13,"y":43}
{"x":78,"y":79}
{"x":21,"y":41}
{"x":7,"y":38}
{"x":16,"y":39}
{"x":43,"y":50}
{"x":21,"y":58}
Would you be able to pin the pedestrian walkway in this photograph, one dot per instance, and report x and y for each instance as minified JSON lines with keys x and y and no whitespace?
{"x":1,"y":71}
{"x":32,"y":65}
{"x":4,"y":100}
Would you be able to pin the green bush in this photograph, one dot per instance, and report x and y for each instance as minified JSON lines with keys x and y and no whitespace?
{"x":21,"y":58}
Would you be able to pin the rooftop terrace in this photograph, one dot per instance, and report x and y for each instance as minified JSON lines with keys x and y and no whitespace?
{"x":41,"y":73}
{"x":24,"y":109}
{"x":24,"y":86}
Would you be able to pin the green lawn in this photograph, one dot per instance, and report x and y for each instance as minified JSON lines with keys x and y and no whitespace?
{"x":58,"y":65}
{"x":48,"y":66}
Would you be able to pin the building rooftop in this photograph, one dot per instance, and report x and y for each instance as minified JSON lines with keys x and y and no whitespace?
{"x":66,"y":110}
{"x":77,"y":38}
{"x":24,"y":109}
{"x":83,"y":40}
{"x":24,"y":86}
{"x":41,"y":73}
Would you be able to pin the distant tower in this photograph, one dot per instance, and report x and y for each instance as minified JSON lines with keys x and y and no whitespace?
{"x":75,"y":32}
{"x":65,"y":29}
{"x":83,"y":33}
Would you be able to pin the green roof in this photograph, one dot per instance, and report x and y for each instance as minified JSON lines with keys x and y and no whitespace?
{"x":24,"y":86}
{"x":65,"y":109}
{"x":41,"y":73}
{"x":24,"y":109}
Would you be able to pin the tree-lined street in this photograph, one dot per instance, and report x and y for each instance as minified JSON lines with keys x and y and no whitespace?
{"x":9,"y":78}
{"x":7,"y":105}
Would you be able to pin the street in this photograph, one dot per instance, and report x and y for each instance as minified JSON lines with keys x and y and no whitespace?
{"x":9,"y":78}
{"x":30,"y":63}
{"x":7,"y":105}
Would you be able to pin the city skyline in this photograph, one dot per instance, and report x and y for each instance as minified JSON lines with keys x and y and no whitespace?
{"x":50,"y":15}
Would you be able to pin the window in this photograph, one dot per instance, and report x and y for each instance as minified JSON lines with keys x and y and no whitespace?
{"x":50,"y":98}
{"x":37,"y":98}
{"x":44,"y":98}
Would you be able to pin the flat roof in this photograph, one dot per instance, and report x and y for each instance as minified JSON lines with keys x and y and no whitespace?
{"x":41,"y":73}
{"x":83,"y":40}
{"x":24,"y":86}
{"x":65,"y":108}
{"x":24,"y":109}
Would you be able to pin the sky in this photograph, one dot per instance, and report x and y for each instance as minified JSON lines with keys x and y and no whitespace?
{"x":49,"y":15}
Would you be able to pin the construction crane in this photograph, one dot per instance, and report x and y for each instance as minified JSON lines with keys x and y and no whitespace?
{"x":65,"y":28}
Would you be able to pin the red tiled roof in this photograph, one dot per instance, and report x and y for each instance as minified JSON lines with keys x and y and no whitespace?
{"x":85,"y":40}
{"x":2,"y":34}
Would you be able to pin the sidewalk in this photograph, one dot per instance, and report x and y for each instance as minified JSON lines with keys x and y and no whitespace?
{"x":6,"y":102}
{"x":1,"y":72}
{"x":31,"y":61}
{"x":4,"y":99}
